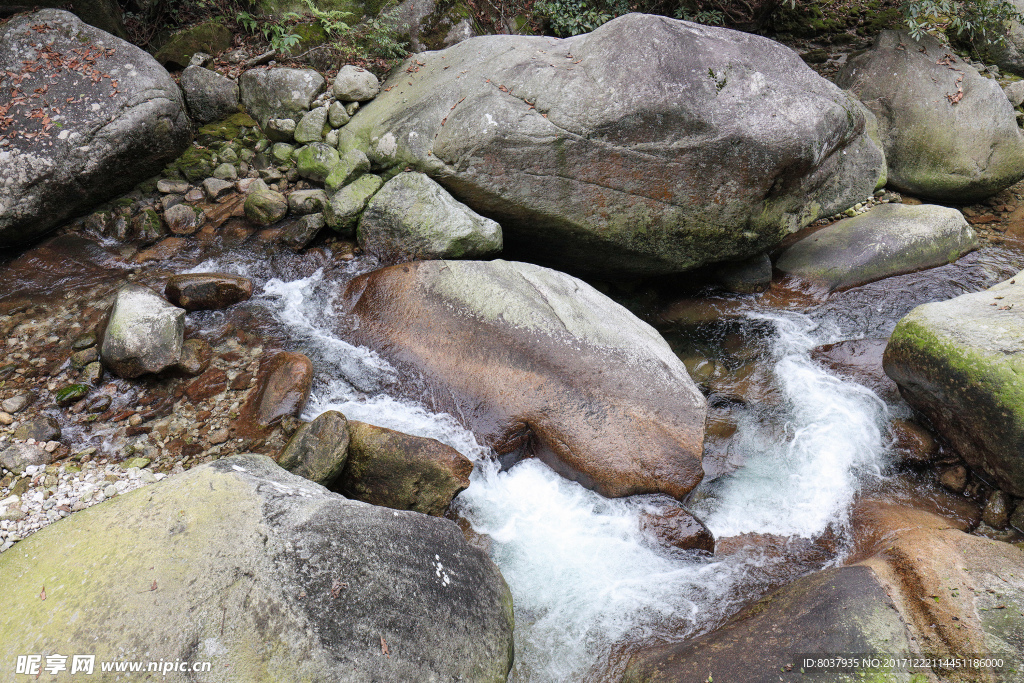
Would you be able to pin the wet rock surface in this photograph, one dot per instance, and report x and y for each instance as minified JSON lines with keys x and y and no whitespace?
{"x":401,"y":471}
{"x":206,"y":291}
{"x":494,"y":336}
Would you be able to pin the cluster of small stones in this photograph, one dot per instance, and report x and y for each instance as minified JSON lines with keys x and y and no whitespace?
{"x":1002,"y":516}
{"x":46,"y":494}
{"x":107,"y":430}
{"x":879,"y":197}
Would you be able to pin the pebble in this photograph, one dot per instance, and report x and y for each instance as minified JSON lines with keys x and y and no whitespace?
{"x":15,"y":404}
{"x":53,"y":493}
{"x":6,"y":418}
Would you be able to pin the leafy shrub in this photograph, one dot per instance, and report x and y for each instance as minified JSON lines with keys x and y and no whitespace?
{"x":978,"y":20}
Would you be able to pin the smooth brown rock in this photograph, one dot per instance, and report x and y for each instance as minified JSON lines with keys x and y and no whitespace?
{"x":912,"y":443}
{"x":318,"y":450}
{"x":402,"y":471}
{"x":997,"y":509}
{"x":539,"y":362}
{"x":207,"y":291}
{"x":282,"y":388}
{"x":861,"y":361}
{"x":210,"y":383}
{"x":677,"y":527}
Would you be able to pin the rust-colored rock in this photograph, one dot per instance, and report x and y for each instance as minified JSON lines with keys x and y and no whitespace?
{"x":207,"y":291}
{"x":912,"y":444}
{"x":677,"y":527}
{"x":210,"y":383}
{"x":537,"y":360}
{"x":402,"y":471}
{"x":282,"y":388}
{"x":861,"y":361}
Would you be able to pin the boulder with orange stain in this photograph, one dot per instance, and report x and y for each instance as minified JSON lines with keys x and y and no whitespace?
{"x":533,"y":359}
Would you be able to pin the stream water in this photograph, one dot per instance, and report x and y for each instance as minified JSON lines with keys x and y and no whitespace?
{"x":588,"y":584}
{"x":586,"y":580}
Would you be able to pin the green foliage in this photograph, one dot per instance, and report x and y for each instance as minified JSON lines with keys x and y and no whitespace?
{"x":374,"y":37}
{"x":983,"y":20}
{"x":277,"y":34}
{"x":572,"y":17}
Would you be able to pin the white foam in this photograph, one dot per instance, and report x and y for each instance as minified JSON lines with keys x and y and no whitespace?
{"x":583,"y":576}
{"x":799,"y":480}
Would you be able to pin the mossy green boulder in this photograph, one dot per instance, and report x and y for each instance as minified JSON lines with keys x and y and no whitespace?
{"x":318,"y":450}
{"x":887,"y":240}
{"x":413,"y":216}
{"x":265,"y":207}
{"x":211,"y":37}
{"x":316,"y":161}
{"x":402,"y":471}
{"x":960,"y":362}
{"x":266,"y":576}
{"x":348,"y":203}
{"x":950,"y":135}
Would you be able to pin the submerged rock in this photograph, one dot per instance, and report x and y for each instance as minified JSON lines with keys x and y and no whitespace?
{"x":703,"y":145}
{"x":949,"y":134}
{"x":959,"y":362}
{"x":144,"y":333}
{"x":413,"y":216}
{"x":536,"y":359}
{"x":678,"y":528}
{"x":402,"y":471}
{"x":265,"y":575}
{"x":890,"y":239}
{"x":108,"y":135}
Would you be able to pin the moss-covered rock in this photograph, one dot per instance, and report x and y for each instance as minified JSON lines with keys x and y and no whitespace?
{"x":212,"y":37}
{"x":316,"y":161}
{"x":348,"y":203}
{"x":960,"y":362}
{"x":265,"y":207}
{"x":412,"y":215}
{"x":264,"y":575}
{"x":401,"y":471}
{"x":195,"y":164}
{"x":888,"y":240}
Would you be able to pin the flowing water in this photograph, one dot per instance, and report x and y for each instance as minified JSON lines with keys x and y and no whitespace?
{"x":588,"y":583}
{"x":584,"y":577}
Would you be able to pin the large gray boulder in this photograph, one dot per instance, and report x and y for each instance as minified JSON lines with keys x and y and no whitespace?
{"x":888,"y":240}
{"x":840,"y":610}
{"x":411,"y":215}
{"x":266,"y":576}
{"x":536,"y":359}
{"x":960,"y":363}
{"x":704,"y":144}
{"x":1009,"y":54}
{"x":95,"y":139}
{"x":949,"y":134}
{"x":279,"y":93}
{"x":145,"y":333}
{"x":209,"y":95}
